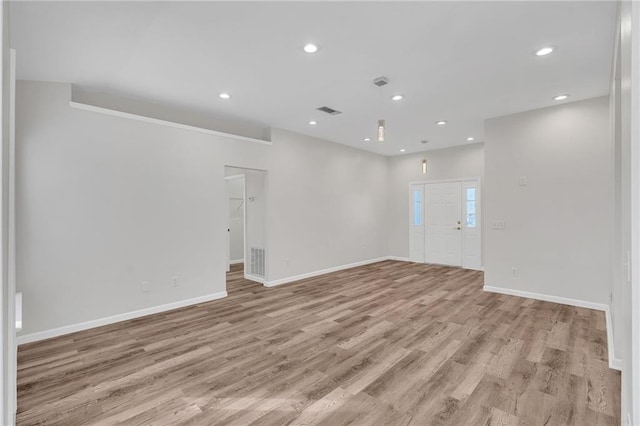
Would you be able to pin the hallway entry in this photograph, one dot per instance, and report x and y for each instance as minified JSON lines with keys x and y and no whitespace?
{"x":246,"y":221}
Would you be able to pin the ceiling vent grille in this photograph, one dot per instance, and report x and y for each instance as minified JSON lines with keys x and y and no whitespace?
{"x":381,"y":81}
{"x":329,"y":111}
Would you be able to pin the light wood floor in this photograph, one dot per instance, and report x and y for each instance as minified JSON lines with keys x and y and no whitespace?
{"x":390,"y":344}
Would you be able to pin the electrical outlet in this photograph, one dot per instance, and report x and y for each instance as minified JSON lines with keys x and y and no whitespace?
{"x":174,"y":281}
{"x":145,"y":287}
{"x":498,"y":224}
{"x":522,"y":181}
{"x":514,"y":272}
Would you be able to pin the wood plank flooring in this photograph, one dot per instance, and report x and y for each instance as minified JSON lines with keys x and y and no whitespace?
{"x":390,"y":343}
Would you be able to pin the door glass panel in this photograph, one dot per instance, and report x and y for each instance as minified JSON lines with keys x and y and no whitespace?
{"x":471,"y":207}
{"x":471,"y":194}
{"x":417,"y":208}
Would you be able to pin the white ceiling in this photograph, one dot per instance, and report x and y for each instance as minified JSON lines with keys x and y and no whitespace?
{"x":461,"y":62}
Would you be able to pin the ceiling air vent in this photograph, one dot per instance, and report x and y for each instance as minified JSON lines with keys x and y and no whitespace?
{"x":329,"y":111}
{"x":381,"y":81}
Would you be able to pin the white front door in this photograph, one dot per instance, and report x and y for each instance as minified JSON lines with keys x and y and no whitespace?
{"x":416,"y":227}
{"x":443,"y":223}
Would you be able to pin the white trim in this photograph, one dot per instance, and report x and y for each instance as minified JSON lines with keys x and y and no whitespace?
{"x":18,"y":311}
{"x":12,"y":359}
{"x":137,"y":117}
{"x":400,"y":259}
{"x":60,"y":331}
{"x":245,"y":267}
{"x":234,"y":177}
{"x":481,"y":269}
{"x":322,"y":272}
{"x":467,"y":179}
{"x":254,"y":278}
{"x":242,"y":177}
{"x":479,"y":216}
{"x":614,"y":363}
{"x":634,"y":345}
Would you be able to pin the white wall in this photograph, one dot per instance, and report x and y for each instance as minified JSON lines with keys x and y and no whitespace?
{"x":256,"y":182}
{"x":621,"y":194}
{"x":170,"y":113}
{"x":327,"y":205}
{"x":621,"y":166}
{"x":459,"y":162}
{"x":7,"y":290}
{"x":558,"y":232}
{"x":236,"y":219}
{"x":105,"y":203}
{"x":631,"y":387}
{"x":626,"y":292}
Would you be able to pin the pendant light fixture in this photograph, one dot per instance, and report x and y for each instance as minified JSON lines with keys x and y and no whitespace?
{"x":380,"y":132}
{"x":380,"y":82}
{"x":424,"y":166}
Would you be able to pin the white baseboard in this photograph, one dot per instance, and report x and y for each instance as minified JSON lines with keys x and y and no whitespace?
{"x":334,"y":269}
{"x":406,"y":259}
{"x":235,"y":262}
{"x":60,"y":331}
{"x":254,"y":278}
{"x":547,"y":298}
{"x":614,"y":363}
{"x":399,"y":259}
{"x":323,"y":271}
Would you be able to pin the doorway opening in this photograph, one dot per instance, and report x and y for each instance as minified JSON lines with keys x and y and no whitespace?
{"x":445,"y":225}
{"x":246,"y":226}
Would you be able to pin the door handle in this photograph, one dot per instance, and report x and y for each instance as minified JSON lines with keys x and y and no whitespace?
{"x":458,"y":228}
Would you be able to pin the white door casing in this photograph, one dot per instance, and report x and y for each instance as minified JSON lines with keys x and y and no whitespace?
{"x":228,"y":262}
{"x":232,"y":204}
{"x":449,"y":232}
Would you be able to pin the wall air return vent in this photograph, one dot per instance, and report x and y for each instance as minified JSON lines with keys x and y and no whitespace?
{"x":329,"y":111}
{"x":257,"y":262}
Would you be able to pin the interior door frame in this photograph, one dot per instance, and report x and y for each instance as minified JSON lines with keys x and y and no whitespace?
{"x":478,"y":181}
{"x":244,"y":219}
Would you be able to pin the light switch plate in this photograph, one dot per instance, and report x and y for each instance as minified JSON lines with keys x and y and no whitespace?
{"x":498,"y":224}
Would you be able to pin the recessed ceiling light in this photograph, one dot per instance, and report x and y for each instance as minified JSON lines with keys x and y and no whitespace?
{"x":424,"y":141}
{"x":560,"y":97}
{"x":402,"y":150}
{"x":441,"y":122}
{"x":544,"y":51}
{"x":310,"y":48}
{"x":313,"y":123}
{"x":224,"y":96}
{"x":471,"y":138}
{"x":397,"y":97}
{"x":367,"y":139}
